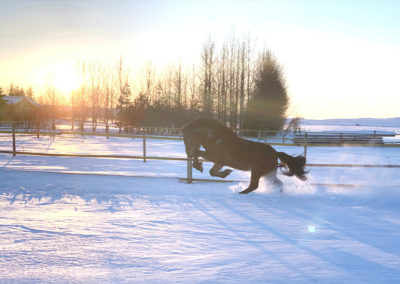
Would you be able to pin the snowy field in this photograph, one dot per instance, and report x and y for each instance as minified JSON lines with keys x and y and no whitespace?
{"x":92,"y":220}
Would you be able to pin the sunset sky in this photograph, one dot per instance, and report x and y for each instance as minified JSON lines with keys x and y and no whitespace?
{"x":341,"y":59}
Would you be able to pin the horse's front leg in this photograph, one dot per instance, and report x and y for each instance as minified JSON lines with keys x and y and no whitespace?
{"x":215,"y":171}
{"x":209,"y":156}
{"x":192,"y":145}
{"x":196,"y":163}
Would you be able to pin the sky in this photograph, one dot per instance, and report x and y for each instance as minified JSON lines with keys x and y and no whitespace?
{"x":341,"y":59}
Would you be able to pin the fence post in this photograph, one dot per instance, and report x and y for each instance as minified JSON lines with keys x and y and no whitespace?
{"x":13,"y":136}
{"x":144,"y":146}
{"x":107,"y":131}
{"x":374,"y":137}
{"x":38,"y":129}
{"x":305,"y":145}
{"x":341,"y":138}
{"x":53,"y":129}
{"x":189,"y":170}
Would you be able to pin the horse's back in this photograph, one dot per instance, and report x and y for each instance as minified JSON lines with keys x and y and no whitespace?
{"x":251,"y":148}
{"x":208,"y":124}
{"x":241,"y":153}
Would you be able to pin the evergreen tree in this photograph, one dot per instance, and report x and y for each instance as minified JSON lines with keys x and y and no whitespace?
{"x":16,"y":91}
{"x":267,"y":107}
{"x":29,"y":93}
{"x":123,"y":104}
{"x":124,"y":98}
{"x":2,"y":104}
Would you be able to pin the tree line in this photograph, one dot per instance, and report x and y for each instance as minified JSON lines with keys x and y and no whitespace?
{"x":232,"y":82}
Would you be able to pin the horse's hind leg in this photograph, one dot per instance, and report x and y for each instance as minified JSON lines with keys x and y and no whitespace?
{"x":271,"y":176}
{"x":256,"y":174}
{"x":215,"y":171}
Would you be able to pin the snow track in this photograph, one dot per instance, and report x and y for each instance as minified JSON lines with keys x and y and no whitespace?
{"x":90,"y":228}
{"x":183,"y":179}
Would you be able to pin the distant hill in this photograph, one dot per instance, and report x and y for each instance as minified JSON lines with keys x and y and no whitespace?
{"x":377,"y":122}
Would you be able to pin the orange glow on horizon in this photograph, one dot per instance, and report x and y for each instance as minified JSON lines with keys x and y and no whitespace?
{"x":62,"y":76}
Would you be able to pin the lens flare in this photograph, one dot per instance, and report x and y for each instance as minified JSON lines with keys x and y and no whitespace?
{"x":311,"y":229}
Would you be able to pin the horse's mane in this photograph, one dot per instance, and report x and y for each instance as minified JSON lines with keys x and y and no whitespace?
{"x":210,"y":123}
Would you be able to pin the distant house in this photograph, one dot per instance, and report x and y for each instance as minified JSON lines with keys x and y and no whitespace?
{"x":19,"y":107}
{"x":20,"y":103}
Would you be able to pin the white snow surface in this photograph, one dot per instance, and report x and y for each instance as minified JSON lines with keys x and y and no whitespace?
{"x":98,"y":220}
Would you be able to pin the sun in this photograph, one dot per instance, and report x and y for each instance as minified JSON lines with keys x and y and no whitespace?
{"x":66,"y":79}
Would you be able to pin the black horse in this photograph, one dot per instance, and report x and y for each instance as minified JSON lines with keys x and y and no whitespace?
{"x":223,"y":147}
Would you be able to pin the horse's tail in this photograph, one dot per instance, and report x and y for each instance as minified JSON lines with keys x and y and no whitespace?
{"x":295,"y":165}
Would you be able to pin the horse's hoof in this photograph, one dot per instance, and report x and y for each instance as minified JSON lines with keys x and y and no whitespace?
{"x":244,"y":191}
{"x":226,"y":173}
{"x":198,"y":167}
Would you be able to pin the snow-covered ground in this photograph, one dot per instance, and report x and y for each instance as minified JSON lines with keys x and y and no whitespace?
{"x":98,"y":220}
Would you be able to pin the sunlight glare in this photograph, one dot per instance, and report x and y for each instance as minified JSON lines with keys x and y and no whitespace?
{"x":64,"y":78}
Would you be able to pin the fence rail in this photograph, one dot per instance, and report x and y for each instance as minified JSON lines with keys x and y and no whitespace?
{"x":179,"y":159}
{"x":270,"y":140}
{"x":278,"y":137}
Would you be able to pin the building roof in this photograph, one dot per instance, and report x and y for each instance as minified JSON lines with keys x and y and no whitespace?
{"x":12,"y":100}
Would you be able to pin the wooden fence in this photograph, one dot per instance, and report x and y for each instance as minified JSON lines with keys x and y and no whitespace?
{"x":145,"y":156}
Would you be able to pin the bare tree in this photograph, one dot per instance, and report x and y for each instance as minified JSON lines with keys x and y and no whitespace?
{"x":231,"y":73}
{"x":124,"y":91}
{"x":249,"y":77}
{"x":149,"y":81}
{"x":234,"y":79}
{"x":162,"y":93}
{"x":221,"y":84}
{"x":208,"y":66}
{"x":245,"y":76}
{"x":193,"y":86}
{"x":81,"y":96}
{"x":178,"y":86}
{"x":73,"y":102}
{"x":52,"y":100}
{"x":109,"y":91}
{"x":185,"y":85}
{"x":226,"y":83}
{"x":95,"y":72}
